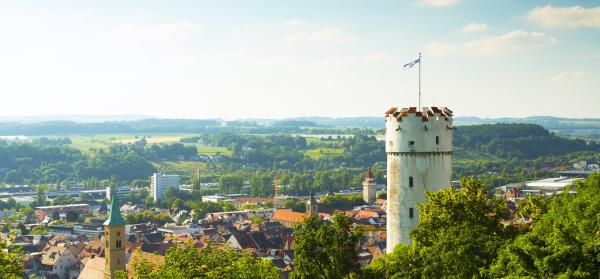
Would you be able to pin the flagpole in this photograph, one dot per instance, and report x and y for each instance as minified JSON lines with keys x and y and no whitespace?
{"x":420,"y":62}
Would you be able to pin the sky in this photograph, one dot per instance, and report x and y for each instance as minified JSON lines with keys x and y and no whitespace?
{"x":278,"y":59}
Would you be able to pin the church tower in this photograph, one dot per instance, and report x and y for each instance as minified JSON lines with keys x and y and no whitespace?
{"x":312,"y":207}
{"x":369,"y":194}
{"x":114,"y":236}
{"x":419,"y":160}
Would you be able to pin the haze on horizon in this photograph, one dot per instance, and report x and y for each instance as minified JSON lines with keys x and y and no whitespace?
{"x":274,"y":59}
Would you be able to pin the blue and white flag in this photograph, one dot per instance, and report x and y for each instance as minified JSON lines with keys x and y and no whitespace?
{"x":412,"y":63}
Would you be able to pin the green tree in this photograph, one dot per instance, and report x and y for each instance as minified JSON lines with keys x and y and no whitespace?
{"x":63,"y":199}
{"x":11,"y":262}
{"x":563,"y":243}
{"x":39,"y":230}
{"x":185,"y":261}
{"x":458,"y":236}
{"x":323,"y":181}
{"x":230,"y":184}
{"x":41,"y":191}
{"x":532,"y":207}
{"x":12,"y":177}
{"x":341,"y":202}
{"x":325,"y":249}
{"x":295,"y":204}
{"x":147,"y":217}
{"x":72,"y":216}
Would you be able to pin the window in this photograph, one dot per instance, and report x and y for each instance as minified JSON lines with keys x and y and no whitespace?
{"x":411,"y":142}
{"x":118,"y":233}
{"x":410,"y":181}
{"x":411,"y":213}
{"x":118,"y":243}
{"x":437,"y":139}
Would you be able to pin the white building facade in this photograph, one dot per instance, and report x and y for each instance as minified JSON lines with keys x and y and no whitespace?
{"x":419,"y":159}
{"x":160,"y":182}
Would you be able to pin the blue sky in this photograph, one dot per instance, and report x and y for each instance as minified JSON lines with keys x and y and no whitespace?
{"x":275,"y":59}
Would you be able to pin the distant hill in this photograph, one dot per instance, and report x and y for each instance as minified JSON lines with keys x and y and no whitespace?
{"x":525,"y":141}
{"x":588,"y":128}
{"x":73,"y":118}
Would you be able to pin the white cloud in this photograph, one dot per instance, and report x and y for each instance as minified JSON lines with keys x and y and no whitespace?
{"x":378,"y":57}
{"x":566,"y":76}
{"x":513,"y":41}
{"x":475,"y":27}
{"x":293,"y":22}
{"x":439,"y":3}
{"x":164,"y":32}
{"x":441,"y":48}
{"x":328,"y":35}
{"x":571,"y":17}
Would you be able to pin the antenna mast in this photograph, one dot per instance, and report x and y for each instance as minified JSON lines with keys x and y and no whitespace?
{"x":420,"y":62}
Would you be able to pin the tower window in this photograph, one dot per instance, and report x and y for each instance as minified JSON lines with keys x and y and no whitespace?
{"x":118,"y":244}
{"x":411,"y":142}
{"x":410,"y":181}
{"x":411,"y":213}
{"x":118,"y":233}
{"x":437,"y":139}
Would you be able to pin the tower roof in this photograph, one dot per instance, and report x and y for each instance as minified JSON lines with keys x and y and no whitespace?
{"x":369,"y":174}
{"x":114,"y":217}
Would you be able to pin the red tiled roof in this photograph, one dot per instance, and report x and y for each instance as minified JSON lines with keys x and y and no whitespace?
{"x":366,"y":214}
{"x":288,"y":216}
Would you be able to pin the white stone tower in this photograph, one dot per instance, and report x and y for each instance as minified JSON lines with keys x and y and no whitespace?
{"x":419,"y":159}
{"x":369,"y":194}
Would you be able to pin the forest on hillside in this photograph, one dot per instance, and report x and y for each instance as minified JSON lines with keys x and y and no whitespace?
{"x":495,"y":153}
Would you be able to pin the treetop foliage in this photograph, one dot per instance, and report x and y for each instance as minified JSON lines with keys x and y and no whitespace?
{"x":525,"y":141}
{"x":324,"y":249}
{"x":461,"y":235}
{"x":186,"y":261}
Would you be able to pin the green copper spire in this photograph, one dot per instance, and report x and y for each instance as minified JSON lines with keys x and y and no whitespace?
{"x":114,"y":217}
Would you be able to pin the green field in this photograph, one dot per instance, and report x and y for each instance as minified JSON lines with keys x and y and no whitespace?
{"x":213,"y":150}
{"x":179,"y":167}
{"x":90,"y":143}
{"x":319,"y":153}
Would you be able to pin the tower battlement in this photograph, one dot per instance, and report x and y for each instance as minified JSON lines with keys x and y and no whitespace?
{"x":412,"y":131}
{"x":425,"y":113}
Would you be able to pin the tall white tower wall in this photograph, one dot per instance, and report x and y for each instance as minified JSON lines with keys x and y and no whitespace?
{"x":419,"y":159}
